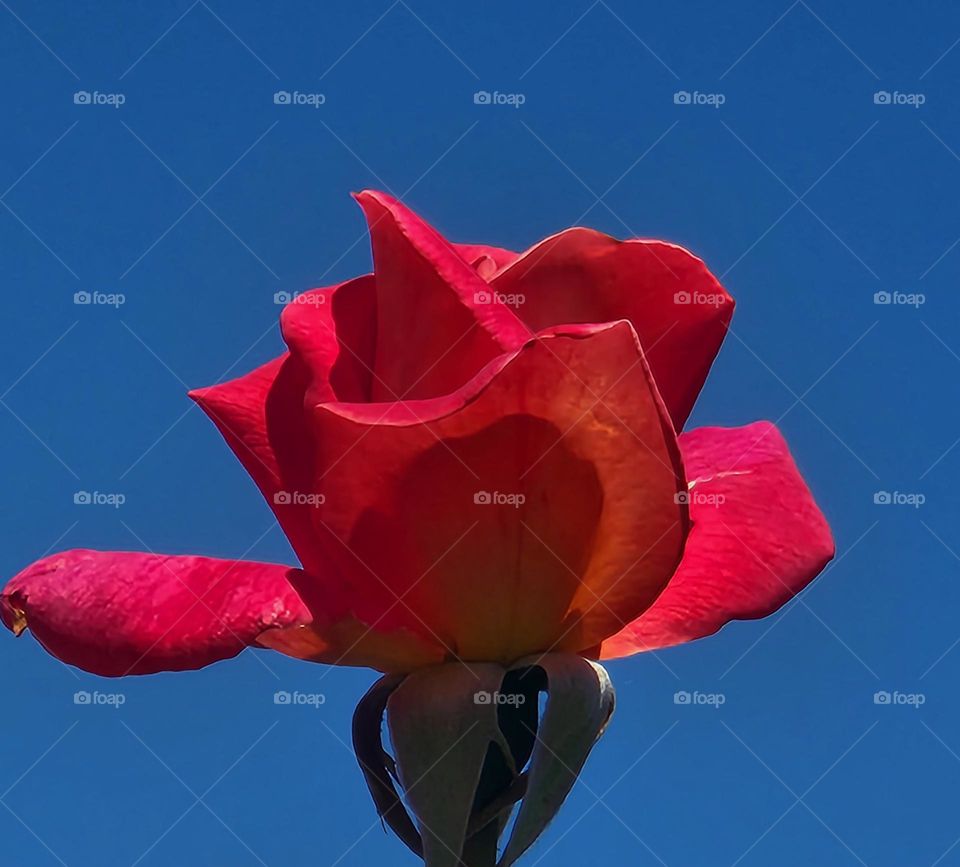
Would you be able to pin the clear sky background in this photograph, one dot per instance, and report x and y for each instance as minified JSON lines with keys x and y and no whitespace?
{"x":199,"y":198}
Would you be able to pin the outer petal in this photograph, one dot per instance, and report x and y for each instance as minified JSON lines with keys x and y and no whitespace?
{"x":438,"y":327}
{"x":758,"y":538}
{"x":117,"y":613}
{"x":534,"y":508}
{"x":261,"y":417}
{"x":330,"y":333}
{"x":679,"y":309}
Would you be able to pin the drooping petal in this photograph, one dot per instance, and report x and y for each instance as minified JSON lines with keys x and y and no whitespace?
{"x":114,"y":613}
{"x":757,"y":539}
{"x":533,"y":508}
{"x":679,"y":309}
{"x":438,"y":326}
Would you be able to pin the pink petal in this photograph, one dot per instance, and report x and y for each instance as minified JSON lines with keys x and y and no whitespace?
{"x":115,"y":614}
{"x":758,"y":538}
{"x":677,"y":306}
{"x":261,"y":417}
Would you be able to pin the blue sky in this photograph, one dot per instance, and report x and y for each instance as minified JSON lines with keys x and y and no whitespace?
{"x":198,"y":198}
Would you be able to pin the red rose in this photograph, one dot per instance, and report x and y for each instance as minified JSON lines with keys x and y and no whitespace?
{"x":475,"y":455}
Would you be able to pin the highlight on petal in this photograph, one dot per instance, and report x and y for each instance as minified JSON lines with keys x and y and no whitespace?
{"x":758,"y":538}
{"x":348,"y":641}
{"x":114,"y":613}
{"x":679,"y":309}
{"x":437,"y":321}
{"x":486,"y":261}
{"x":535,"y":508}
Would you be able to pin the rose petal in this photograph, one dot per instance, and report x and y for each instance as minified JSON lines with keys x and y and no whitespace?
{"x":438,"y":327}
{"x":332,"y":331}
{"x":115,"y":614}
{"x":573,"y":424}
{"x":348,"y":641}
{"x":758,"y":538}
{"x":678,"y":308}
{"x":261,"y":417}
